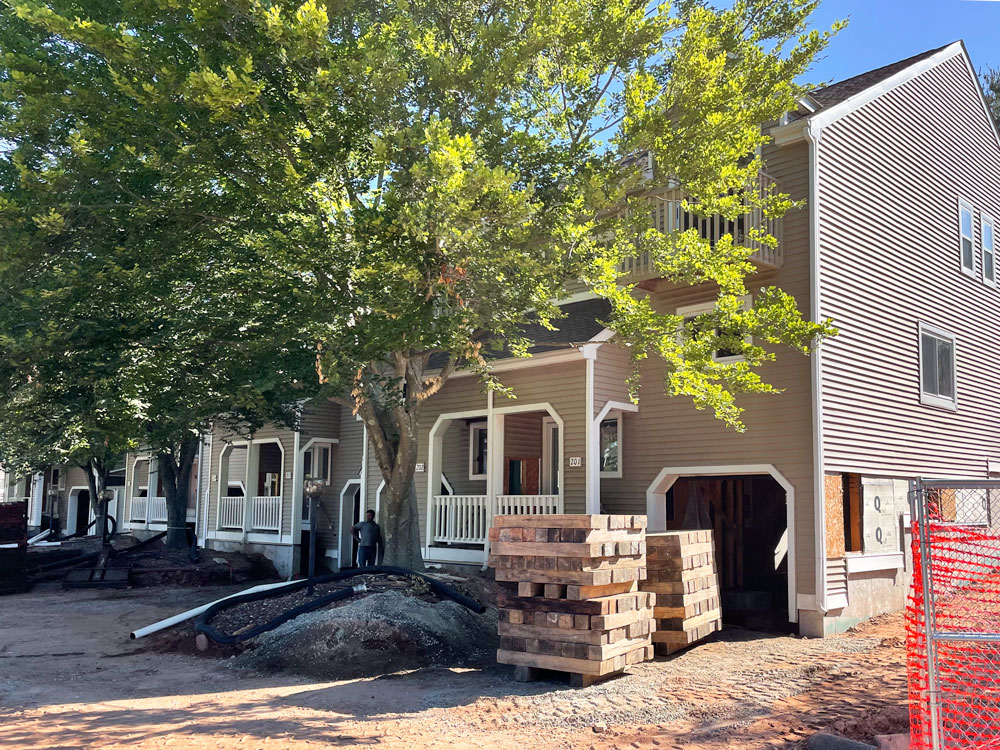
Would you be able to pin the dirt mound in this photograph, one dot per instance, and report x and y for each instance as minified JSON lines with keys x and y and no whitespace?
{"x":375,"y":635}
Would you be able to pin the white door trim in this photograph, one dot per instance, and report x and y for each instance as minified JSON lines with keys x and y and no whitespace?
{"x":656,"y":514}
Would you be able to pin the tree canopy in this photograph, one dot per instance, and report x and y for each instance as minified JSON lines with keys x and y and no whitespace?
{"x":376,"y":183}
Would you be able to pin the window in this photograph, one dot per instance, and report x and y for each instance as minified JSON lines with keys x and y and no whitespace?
{"x":478,"y":436}
{"x":690,"y":315}
{"x":316,"y":462}
{"x":611,"y":442}
{"x":937,"y":367}
{"x":987,"y":235}
{"x":58,"y":478}
{"x":965,"y":229}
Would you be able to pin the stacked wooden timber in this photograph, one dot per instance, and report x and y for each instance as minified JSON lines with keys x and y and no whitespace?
{"x":681,"y":575}
{"x":574,"y":603}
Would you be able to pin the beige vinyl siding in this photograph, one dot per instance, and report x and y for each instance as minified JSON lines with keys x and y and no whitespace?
{"x":891,"y":175}
{"x":611,"y":370}
{"x":523,"y":435}
{"x":671,"y":432}
{"x":346,"y":466}
{"x":222,"y":438}
{"x":455,"y":463}
{"x":320,"y":419}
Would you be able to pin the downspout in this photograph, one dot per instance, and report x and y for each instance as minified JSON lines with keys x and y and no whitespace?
{"x":813,"y":133}
{"x":592,"y":441}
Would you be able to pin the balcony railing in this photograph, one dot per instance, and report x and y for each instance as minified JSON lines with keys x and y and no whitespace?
{"x":264,"y":514}
{"x":464,"y":519}
{"x":669,"y":216}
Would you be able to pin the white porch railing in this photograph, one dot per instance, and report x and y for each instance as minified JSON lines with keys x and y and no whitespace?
{"x":462,"y":519}
{"x":231,"y":512}
{"x":266,"y":513}
{"x":157,"y":510}
{"x":138,"y":511}
{"x":527,"y":505}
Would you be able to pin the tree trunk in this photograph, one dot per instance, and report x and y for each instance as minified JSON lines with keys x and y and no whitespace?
{"x":175,"y":472}
{"x":395,"y":440}
{"x":97,"y":480}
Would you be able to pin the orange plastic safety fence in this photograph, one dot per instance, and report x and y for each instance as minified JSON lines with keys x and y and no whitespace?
{"x":964,"y":573}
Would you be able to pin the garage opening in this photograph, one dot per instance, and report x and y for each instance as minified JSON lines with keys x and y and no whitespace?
{"x":748,"y":516}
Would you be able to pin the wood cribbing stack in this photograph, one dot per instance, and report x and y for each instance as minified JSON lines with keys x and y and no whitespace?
{"x":577,"y":607}
{"x":681,"y":573}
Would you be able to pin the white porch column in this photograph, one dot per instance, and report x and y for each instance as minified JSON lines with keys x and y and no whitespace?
{"x":152,"y":486}
{"x":37,"y":498}
{"x":250,"y":485}
{"x":494,"y":468}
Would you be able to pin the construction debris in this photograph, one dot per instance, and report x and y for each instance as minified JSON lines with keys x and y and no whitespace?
{"x":577,"y":607}
{"x":681,"y":574}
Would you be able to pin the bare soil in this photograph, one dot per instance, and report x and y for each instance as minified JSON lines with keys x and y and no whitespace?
{"x":71,"y":678}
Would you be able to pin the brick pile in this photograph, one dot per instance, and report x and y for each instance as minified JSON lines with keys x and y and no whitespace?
{"x":574,"y":603}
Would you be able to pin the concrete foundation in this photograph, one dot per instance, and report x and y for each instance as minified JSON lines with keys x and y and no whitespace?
{"x":283,"y":556}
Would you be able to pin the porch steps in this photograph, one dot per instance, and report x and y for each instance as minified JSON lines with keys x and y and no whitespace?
{"x":682,"y":577}
{"x":574,"y":604}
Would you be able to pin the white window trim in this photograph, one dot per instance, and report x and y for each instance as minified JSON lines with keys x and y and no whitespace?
{"x":964,"y":204}
{"x":315,"y":452}
{"x":473,"y":428}
{"x":984,"y":220}
{"x":700,"y":308}
{"x":617,"y":416}
{"x":930,"y":399}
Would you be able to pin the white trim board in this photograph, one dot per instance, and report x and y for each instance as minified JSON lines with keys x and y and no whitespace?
{"x":656,"y":514}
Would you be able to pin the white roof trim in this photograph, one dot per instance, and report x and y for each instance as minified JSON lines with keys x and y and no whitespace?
{"x":862,"y":98}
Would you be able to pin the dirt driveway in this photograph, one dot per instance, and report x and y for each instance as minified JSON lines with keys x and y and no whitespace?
{"x":71,"y":678}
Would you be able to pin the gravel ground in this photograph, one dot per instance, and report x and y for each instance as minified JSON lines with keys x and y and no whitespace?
{"x":69,"y":677}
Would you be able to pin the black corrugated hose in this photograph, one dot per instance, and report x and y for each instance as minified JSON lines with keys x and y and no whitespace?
{"x":202,"y":623}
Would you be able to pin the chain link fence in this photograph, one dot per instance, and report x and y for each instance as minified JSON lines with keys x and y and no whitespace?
{"x":953,"y":616}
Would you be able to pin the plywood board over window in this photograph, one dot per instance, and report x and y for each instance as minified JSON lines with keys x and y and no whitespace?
{"x":836,"y":536}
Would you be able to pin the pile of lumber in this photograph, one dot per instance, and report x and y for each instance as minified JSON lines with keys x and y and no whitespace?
{"x":574,"y":603}
{"x":681,"y":575}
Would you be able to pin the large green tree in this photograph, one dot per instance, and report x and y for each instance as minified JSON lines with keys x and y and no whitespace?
{"x":990,"y":78}
{"x":417,"y":178}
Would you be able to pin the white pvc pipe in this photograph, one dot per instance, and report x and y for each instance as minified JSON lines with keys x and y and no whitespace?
{"x":191,"y":613}
{"x":39,"y":537}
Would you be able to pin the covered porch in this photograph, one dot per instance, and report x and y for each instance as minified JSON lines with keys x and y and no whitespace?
{"x":507,"y":461}
{"x":251,"y":487}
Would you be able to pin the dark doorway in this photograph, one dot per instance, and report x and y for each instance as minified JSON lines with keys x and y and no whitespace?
{"x":82,"y":510}
{"x":748,"y":518}
{"x":355,"y":518}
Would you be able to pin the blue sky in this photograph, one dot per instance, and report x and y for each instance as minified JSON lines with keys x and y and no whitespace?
{"x":883,"y":31}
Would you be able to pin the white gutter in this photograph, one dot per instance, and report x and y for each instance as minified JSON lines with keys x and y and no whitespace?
{"x":813,"y":132}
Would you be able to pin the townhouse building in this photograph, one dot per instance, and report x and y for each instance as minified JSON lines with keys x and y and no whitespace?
{"x":899,"y":172}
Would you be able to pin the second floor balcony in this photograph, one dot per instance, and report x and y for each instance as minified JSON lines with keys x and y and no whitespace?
{"x":668,"y":215}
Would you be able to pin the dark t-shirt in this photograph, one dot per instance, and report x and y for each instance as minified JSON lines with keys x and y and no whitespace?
{"x":369,"y":532}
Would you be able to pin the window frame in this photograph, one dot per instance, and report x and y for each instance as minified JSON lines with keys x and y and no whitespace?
{"x":933,"y":399}
{"x":615,"y":415}
{"x":984,"y":220}
{"x":475,"y":427}
{"x":315,"y":453}
{"x":966,"y":205}
{"x":689,"y":311}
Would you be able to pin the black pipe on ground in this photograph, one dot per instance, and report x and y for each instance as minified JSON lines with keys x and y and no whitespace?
{"x":202,"y":623}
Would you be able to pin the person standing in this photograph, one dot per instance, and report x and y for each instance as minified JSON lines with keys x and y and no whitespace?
{"x":369,"y":537}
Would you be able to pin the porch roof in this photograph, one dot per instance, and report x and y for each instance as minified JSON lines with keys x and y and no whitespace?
{"x":581,"y":324}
